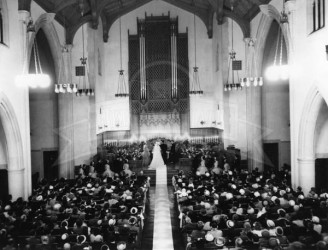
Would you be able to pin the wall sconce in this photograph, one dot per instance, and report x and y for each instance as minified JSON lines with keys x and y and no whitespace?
{"x":202,"y":122}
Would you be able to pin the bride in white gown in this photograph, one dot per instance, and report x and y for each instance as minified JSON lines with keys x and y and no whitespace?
{"x":157,"y":161}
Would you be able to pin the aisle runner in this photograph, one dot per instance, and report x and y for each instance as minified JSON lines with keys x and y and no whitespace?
{"x":162,"y":224}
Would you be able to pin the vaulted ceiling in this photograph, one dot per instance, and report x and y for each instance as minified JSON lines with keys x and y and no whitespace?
{"x":73,"y":13}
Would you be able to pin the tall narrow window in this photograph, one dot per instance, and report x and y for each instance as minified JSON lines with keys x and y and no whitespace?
{"x":1,"y":28}
{"x":318,"y":14}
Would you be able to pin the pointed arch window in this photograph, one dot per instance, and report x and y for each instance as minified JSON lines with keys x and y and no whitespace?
{"x":1,"y":27}
{"x":4,"y":23}
{"x":318,"y":14}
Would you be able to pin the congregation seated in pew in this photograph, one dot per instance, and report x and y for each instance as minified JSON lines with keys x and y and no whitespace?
{"x":93,"y":211}
{"x":241,"y":209}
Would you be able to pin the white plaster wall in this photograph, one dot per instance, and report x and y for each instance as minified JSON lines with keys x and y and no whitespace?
{"x":11,"y":65}
{"x":217,"y":70}
{"x":234,"y":101}
{"x":84,"y":107}
{"x":44,"y":130}
{"x":308,"y":62}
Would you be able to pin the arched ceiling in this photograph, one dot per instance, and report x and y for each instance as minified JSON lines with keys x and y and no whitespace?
{"x":73,"y":13}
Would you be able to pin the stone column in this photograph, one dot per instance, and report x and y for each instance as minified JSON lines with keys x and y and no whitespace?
{"x":66,"y":120}
{"x":293,"y":84}
{"x":306,"y":172}
{"x":253,"y":111}
{"x":16,"y":183}
{"x":22,"y":186}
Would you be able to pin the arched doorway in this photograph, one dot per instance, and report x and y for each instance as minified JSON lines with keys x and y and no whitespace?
{"x":18,"y":182}
{"x":44,"y":116}
{"x":311,"y":133}
{"x":275,"y":105}
{"x":321,"y":149}
{"x":3,"y":165}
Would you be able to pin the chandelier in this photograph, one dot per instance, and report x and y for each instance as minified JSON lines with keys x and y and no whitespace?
{"x":195,"y":89}
{"x":279,"y":71}
{"x":37,"y":79}
{"x":84,"y":85}
{"x":65,"y":87}
{"x":121,"y":85}
{"x":253,"y":79}
{"x":233,"y":65}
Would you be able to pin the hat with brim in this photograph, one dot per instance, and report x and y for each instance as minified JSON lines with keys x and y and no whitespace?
{"x":121,"y":245}
{"x":64,"y":223}
{"x":279,"y":231}
{"x":64,"y":236}
{"x":270,"y":223}
{"x":209,"y":237}
{"x":99,"y":238}
{"x":80,"y":239}
{"x":123,"y":208}
{"x":220,"y":241}
{"x":104,"y":247}
{"x":133,"y":220}
{"x":133,"y":210}
{"x":111,"y":222}
{"x":230,"y":224}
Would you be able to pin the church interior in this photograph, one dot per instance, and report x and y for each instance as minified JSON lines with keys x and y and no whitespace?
{"x":163,"y":124}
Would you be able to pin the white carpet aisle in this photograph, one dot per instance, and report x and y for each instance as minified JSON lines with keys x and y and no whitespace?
{"x":162,"y":224}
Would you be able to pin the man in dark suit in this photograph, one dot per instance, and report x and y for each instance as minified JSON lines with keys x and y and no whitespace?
{"x":173,"y":153}
{"x":163,"y":151}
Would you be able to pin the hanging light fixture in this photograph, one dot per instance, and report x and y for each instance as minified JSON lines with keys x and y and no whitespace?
{"x":279,"y":71}
{"x":195,"y":89}
{"x":253,"y":79}
{"x":233,"y":65}
{"x":37,"y":79}
{"x":64,"y":87}
{"x":121,"y":85}
{"x":84,"y":85}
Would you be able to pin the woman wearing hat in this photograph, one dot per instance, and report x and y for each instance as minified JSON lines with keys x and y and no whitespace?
{"x":81,"y":243}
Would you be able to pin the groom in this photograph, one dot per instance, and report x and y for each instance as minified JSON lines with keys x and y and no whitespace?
{"x":163,"y":151}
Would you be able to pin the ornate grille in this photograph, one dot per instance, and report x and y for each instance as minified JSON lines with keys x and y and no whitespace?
{"x":184,"y":106}
{"x":135,"y":107}
{"x":183,"y":68}
{"x":134,"y":76}
{"x":157,"y":31}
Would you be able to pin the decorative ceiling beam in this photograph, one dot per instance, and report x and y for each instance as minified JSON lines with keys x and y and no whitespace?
{"x":209,"y":24}
{"x":243,"y":24}
{"x":94,"y":14}
{"x":24,"y":5}
{"x":62,"y":4}
{"x":111,"y":19}
{"x":217,"y":6}
{"x":104,"y":26}
{"x":71,"y":31}
{"x":219,"y":11}
{"x":203,"y":15}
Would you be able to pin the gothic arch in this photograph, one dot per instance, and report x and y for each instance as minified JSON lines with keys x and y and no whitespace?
{"x":269,"y":13}
{"x":45,"y":21}
{"x":5,"y":20}
{"x":14,"y":145}
{"x":313,"y":102}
